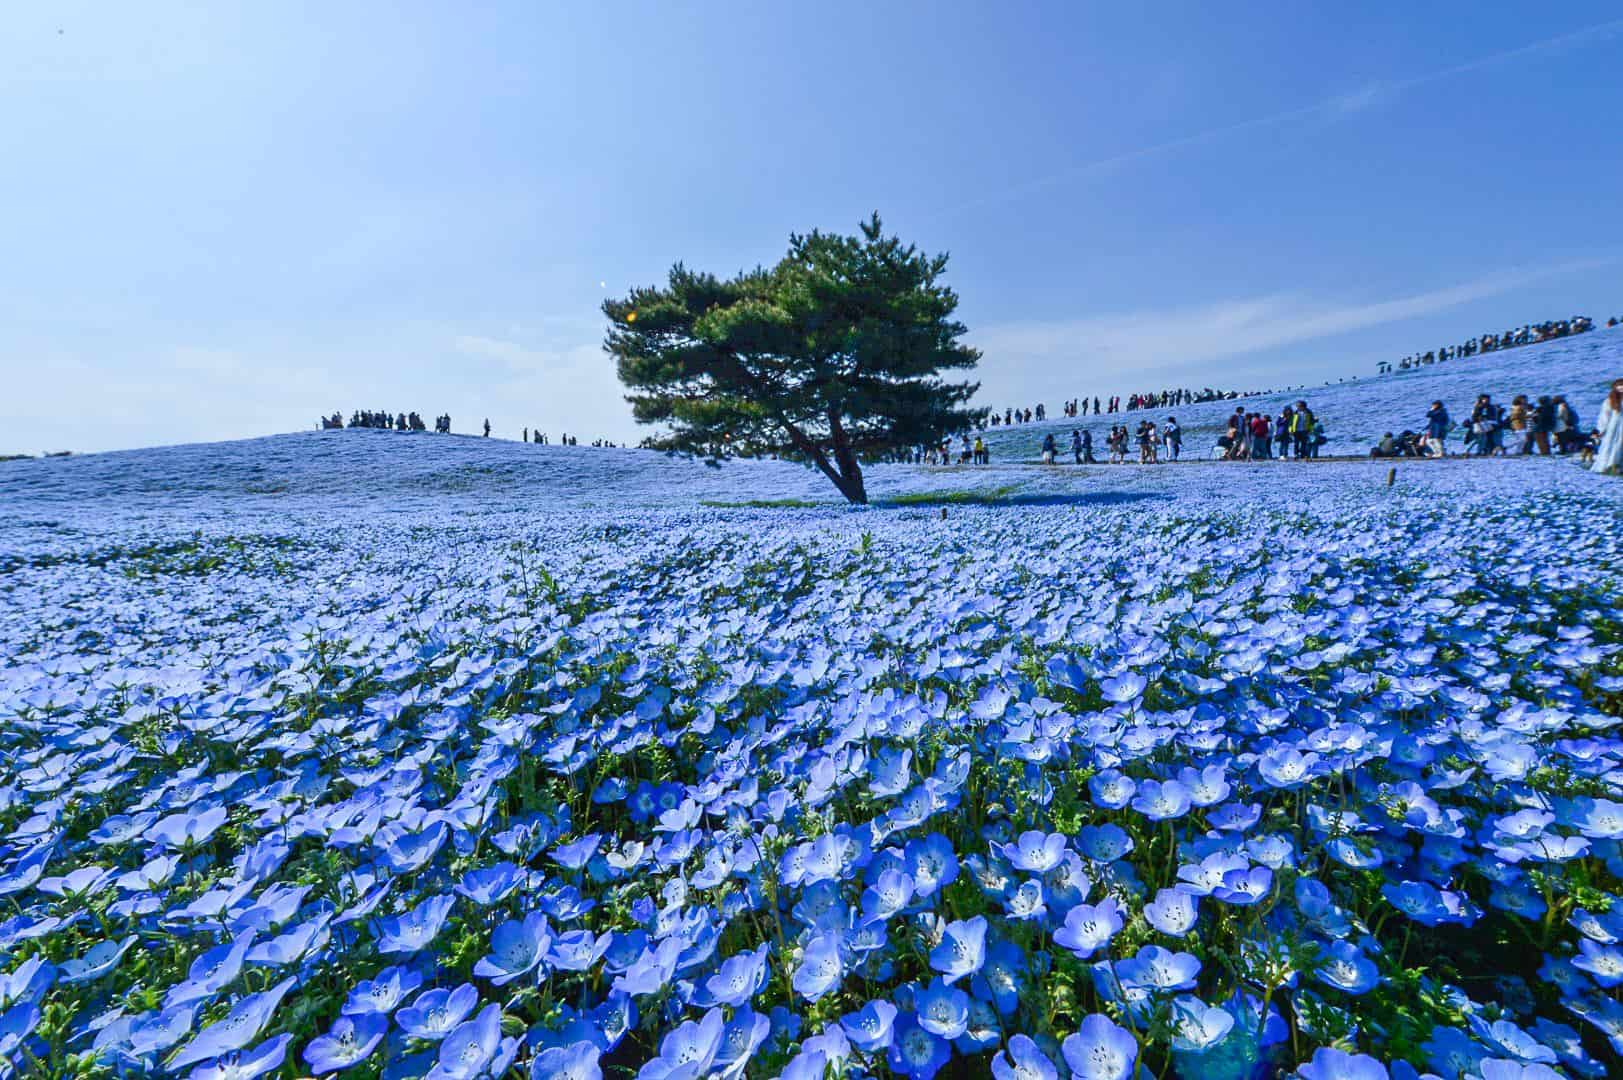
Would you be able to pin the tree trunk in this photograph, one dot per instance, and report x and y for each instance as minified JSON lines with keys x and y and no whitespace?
{"x":853,"y":492}
{"x":850,"y":481}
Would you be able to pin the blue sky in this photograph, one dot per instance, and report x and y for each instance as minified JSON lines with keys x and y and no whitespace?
{"x":222,"y":220}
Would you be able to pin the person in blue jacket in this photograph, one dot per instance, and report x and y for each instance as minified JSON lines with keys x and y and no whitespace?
{"x":1436,"y":428}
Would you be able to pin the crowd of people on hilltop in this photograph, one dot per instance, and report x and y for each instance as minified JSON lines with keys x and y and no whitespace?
{"x":384,"y":421}
{"x":1531,"y":334}
{"x":1547,"y":424}
{"x":410,"y":421}
{"x":1162,"y":399}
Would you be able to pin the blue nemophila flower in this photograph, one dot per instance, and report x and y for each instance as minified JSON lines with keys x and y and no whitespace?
{"x":577,"y":1061}
{"x":410,"y":851}
{"x":1511,"y":1069}
{"x":688,"y":1050}
{"x":1158,"y":970}
{"x":1347,"y":969}
{"x":1275,"y":851}
{"x":188,"y":829}
{"x":1065,"y":672}
{"x":942,"y":1010}
{"x":1598,"y":819}
{"x":1035,"y":852}
{"x":1421,"y":902}
{"x":1314,"y":904}
{"x":870,"y":1028}
{"x":577,"y":950}
{"x":1286,"y":767}
{"x":16,"y":1024}
{"x":1001,"y":977}
{"x":382,"y":993}
{"x":1512,"y":1040}
{"x":890,"y":772}
{"x":212,"y":972}
{"x":436,"y":1013}
{"x":487,"y":885}
{"x":26,"y":869}
{"x":475,"y":1049}
{"x":1088,"y":928}
{"x":1605,"y":928}
{"x":1174,"y":911}
{"x":27,"y":982}
{"x":1023,"y":1061}
{"x":1067,"y":884}
{"x":1162,"y":801}
{"x":739,"y":978}
{"x":97,"y":961}
{"x":931,"y":863}
{"x":982,"y":1031}
{"x":1604,"y":963}
{"x":652,"y":970}
{"x":1244,"y":887}
{"x":1100,"y":1050}
{"x":1207,"y":786}
{"x":916,"y":1052}
{"x":1235,"y":816}
{"x":1124,"y":688}
{"x":1452,"y":1052}
{"x":350,"y":1041}
{"x":1025,"y":902}
{"x":1111,"y":789}
{"x":262,"y":1060}
{"x":1331,"y":1064}
{"x":745,"y":1033}
{"x":294,"y":945}
{"x":1197,"y":1026}
{"x":416,"y":928}
{"x":235,"y":1030}
{"x":80,"y":884}
{"x":821,"y":967}
{"x":158,"y":1031}
{"x":575,"y":854}
{"x":962,"y":949}
{"x":1358,"y":854}
{"x":1104,"y":843}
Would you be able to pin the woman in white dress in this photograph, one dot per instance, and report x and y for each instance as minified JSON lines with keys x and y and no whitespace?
{"x":1609,"y":458}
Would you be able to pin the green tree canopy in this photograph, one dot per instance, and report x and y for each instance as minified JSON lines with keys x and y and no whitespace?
{"x":835,"y":353}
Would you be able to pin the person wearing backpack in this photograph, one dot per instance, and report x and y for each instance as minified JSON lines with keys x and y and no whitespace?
{"x":1302,"y":429}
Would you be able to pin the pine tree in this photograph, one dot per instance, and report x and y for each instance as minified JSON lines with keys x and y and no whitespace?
{"x":835,"y":353}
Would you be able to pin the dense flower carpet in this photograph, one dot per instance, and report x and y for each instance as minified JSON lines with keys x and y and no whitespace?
{"x":1313,"y":776}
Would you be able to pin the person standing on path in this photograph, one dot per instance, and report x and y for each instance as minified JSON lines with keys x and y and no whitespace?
{"x":1302,"y":430}
{"x":1567,"y":435}
{"x":1437,"y":429}
{"x":487,"y":427}
{"x":1538,"y":432}
{"x":1518,"y":419}
{"x":1174,"y":437}
{"x":1609,"y":455}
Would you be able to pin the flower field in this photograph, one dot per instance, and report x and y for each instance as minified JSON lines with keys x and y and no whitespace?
{"x":1216,"y":773}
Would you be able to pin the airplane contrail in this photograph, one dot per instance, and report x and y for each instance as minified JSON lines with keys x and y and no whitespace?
{"x":1340,"y":103}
